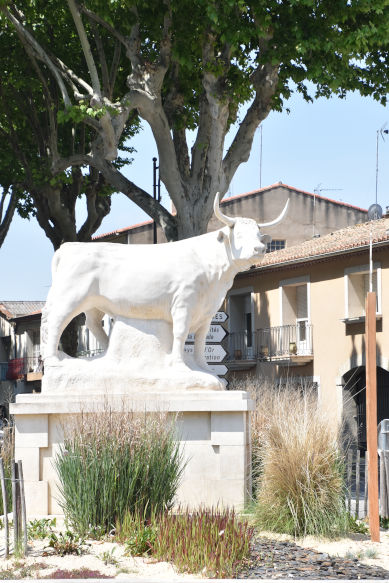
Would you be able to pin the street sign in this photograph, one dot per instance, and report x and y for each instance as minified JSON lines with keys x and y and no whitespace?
{"x":219,"y":369}
{"x":212,"y":352}
{"x":216,"y":334}
{"x":219,"y":317}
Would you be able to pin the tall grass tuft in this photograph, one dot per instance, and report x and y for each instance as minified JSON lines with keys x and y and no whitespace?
{"x":299,"y":467}
{"x":7,"y":454}
{"x":114,"y":463}
{"x":212,"y":542}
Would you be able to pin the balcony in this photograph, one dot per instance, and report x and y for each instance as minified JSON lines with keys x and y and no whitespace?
{"x":29,"y":368}
{"x":290,"y":344}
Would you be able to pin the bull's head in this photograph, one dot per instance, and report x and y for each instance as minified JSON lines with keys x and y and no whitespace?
{"x":247,"y":242}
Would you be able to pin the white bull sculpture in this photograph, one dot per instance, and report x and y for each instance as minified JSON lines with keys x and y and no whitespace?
{"x":182,"y":283}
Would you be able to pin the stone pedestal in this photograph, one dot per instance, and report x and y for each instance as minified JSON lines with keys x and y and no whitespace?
{"x":213,"y":428}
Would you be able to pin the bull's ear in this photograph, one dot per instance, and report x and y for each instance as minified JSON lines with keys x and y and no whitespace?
{"x":221,"y":236}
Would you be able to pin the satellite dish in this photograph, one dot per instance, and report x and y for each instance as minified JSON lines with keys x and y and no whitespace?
{"x":375,"y":212}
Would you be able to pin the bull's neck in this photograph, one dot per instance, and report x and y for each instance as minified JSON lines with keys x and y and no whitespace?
{"x":217,"y":257}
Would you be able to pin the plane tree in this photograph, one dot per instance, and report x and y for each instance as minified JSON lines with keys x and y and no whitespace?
{"x":195,"y":70}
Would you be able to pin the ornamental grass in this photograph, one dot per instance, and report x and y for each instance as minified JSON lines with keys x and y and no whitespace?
{"x":113,"y":463}
{"x":212,"y":542}
{"x":299,"y":467}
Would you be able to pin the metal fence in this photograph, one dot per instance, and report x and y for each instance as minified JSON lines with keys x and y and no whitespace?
{"x":357,"y":486}
{"x":17,"y":368}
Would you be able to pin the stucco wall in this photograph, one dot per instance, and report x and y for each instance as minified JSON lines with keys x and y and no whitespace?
{"x":337,"y":346}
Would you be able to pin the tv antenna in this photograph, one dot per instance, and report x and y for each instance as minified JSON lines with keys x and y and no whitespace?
{"x":316,"y":192}
{"x":381,"y":133}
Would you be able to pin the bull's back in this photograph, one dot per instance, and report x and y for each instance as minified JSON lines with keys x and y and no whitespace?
{"x":135,"y":281}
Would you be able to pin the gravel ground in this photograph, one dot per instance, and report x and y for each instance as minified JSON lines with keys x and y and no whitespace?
{"x":272,"y":557}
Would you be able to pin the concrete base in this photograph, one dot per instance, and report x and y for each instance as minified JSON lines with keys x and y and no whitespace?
{"x":213,"y":429}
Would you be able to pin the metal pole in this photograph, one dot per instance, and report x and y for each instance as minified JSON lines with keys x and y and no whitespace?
{"x":260,"y":157}
{"x":154,"y":196}
{"x":371,"y":416}
{"x":5,"y":509}
{"x":376,"y":171}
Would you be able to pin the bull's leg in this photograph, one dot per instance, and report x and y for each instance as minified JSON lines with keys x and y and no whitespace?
{"x":181,"y":323}
{"x":57,"y":320}
{"x":93,"y":322}
{"x":199,"y":347}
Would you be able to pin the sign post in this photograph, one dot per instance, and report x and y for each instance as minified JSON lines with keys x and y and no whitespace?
{"x":214,"y":352}
{"x":371,"y":416}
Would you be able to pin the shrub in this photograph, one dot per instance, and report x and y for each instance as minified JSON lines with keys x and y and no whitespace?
{"x":112,"y":463}
{"x":300,"y":484}
{"x":212,"y":542}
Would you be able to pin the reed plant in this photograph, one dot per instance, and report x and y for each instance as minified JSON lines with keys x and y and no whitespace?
{"x":7,"y":454}
{"x":113,"y":463}
{"x":300,"y":486}
{"x":209,"y":541}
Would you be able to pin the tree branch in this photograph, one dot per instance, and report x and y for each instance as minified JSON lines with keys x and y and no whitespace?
{"x":5,"y":221}
{"x":41,"y":54}
{"x":96,"y":18}
{"x":265,"y":78}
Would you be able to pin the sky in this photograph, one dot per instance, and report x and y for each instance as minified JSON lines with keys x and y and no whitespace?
{"x":328,"y":145}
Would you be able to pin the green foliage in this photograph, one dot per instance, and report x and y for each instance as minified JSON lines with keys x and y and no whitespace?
{"x":113,"y":463}
{"x":213,"y":542}
{"x":357,"y":526}
{"x":137,"y":532}
{"x":66,"y":543}
{"x":384,"y":522}
{"x":108,"y":557}
{"x":40,"y":528}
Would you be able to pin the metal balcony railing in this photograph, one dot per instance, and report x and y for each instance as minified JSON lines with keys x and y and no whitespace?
{"x":241,"y":346}
{"x":275,"y":342}
{"x":285,"y":341}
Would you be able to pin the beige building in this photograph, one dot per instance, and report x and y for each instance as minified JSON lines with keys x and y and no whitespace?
{"x":308,"y":215}
{"x":301,"y":313}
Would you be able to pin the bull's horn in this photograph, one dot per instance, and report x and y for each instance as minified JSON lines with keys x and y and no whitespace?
{"x":278,"y":219}
{"x":223,"y":218}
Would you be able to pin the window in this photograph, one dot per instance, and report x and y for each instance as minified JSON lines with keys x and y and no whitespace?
{"x":295,"y":330}
{"x":241,"y":320}
{"x":357,"y":280}
{"x":275,"y":245}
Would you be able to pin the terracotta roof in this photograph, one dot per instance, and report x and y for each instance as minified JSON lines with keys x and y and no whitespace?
{"x":342,"y":241}
{"x":294,"y":189}
{"x":15,"y":309}
{"x":122,"y":230}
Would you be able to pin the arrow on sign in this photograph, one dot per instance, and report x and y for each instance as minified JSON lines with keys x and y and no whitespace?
{"x":212,"y":352}
{"x":219,"y":317}
{"x":216,"y":334}
{"x":219,"y":369}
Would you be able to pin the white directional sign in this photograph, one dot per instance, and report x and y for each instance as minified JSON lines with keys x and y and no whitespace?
{"x":216,"y":334}
{"x":219,"y":369}
{"x":219,"y":318}
{"x":212,"y":352}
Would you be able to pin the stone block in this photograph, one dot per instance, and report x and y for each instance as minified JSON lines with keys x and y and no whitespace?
{"x":228,"y":428}
{"x":30,"y":461}
{"x":194,"y":426}
{"x":31,"y":431}
{"x":36,"y":494}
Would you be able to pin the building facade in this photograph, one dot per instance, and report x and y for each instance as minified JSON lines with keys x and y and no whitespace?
{"x":300,"y":314}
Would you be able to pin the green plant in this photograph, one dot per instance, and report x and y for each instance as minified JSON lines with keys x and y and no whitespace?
{"x":213,"y":542}
{"x":357,"y":526}
{"x":39,"y":529}
{"x":108,"y":557}
{"x":384,"y":522}
{"x":67,"y":543}
{"x":371,"y":553}
{"x":7,"y":454}
{"x":114,"y":462}
{"x":137,"y":532}
{"x":300,"y":483}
